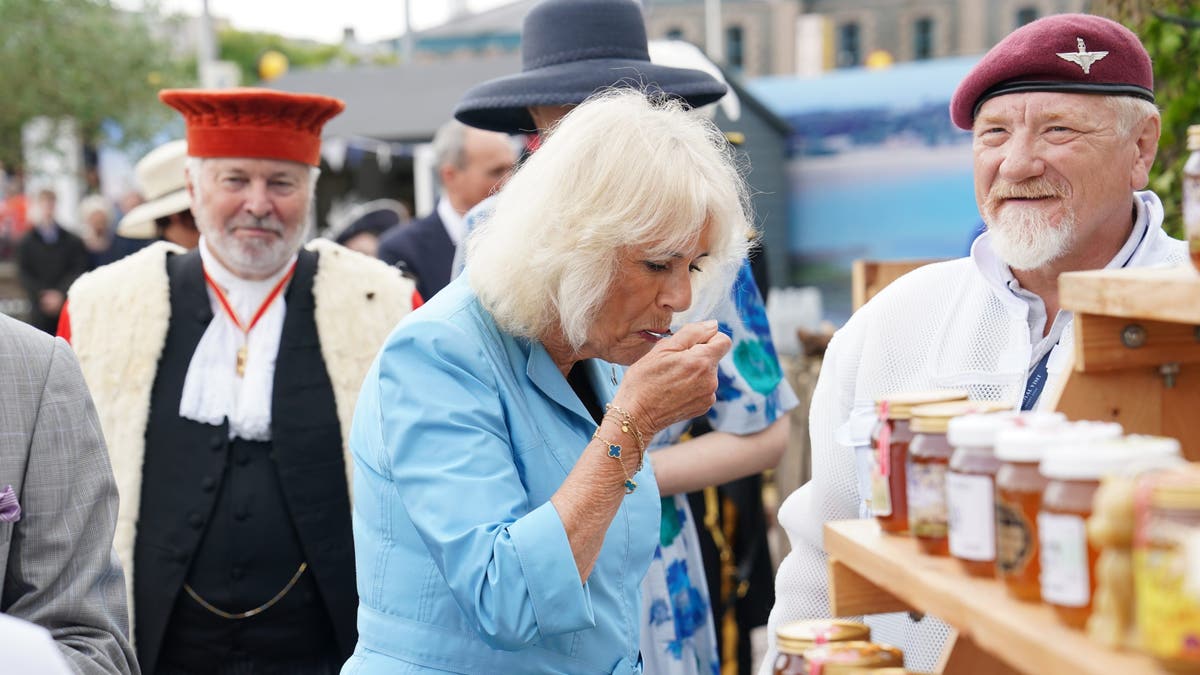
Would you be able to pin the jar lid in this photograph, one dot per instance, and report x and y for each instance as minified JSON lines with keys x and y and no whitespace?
{"x":934,"y":418}
{"x":980,"y":431}
{"x":900,"y":405}
{"x":798,"y":636}
{"x":841,"y":657}
{"x":1177,"y":489}
{"x":1026,"y":436}
{"x":1149,"y":452}
{"x":1081,"y":455}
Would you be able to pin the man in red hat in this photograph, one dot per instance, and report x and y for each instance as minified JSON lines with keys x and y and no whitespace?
{"x":1065,"y":131}
{"x":225,"y":380}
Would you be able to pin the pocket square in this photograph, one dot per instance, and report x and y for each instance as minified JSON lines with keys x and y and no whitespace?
{"x":10,"y":510}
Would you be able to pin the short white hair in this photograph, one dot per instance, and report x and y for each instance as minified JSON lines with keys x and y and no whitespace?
{"x":450,"y":145}
{"x":621,"y":170}
{"x":1131,"y":112}
{"x":95,"y":204}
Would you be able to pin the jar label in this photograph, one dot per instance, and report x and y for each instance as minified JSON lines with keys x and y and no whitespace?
{"x":1015,"y":543}
{"x":881,"y":492}
{"x":927,"y":499}
{"x":971,"y":504}
{"x":1066,"y":580}
{"x":1168,"y":616}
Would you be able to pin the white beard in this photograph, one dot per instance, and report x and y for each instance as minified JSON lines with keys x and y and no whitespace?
{"x":1025,"y":239}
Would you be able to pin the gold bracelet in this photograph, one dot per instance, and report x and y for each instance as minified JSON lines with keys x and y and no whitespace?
{"x":630,"y":428}
{"x":614,"y":451}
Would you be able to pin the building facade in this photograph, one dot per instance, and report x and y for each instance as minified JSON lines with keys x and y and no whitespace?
{"x":807,"y":37}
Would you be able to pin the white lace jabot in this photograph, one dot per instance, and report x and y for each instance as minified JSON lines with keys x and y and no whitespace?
{"x":212,"y":389}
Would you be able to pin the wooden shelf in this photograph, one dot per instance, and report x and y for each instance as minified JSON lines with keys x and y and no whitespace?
{"x":1137,"y":351}
{"x":873,"y":572}
{"x":1160,"y":294}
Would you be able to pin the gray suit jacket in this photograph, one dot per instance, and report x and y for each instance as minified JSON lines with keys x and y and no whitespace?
{"x":57,"y":565}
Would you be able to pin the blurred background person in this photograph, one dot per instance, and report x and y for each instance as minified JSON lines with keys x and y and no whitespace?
{"x":13,"y":220}
{"x":594,"y":45}
{"x":49,"y":260}
{"x":165,"y":213}
{"x":471,"y":164}
{"x":96,"y":218}
{"x":366,"y":223}
{"x":504,"y":518}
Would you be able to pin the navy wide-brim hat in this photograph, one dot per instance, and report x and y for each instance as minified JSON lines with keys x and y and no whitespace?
{"x":571,"y":49}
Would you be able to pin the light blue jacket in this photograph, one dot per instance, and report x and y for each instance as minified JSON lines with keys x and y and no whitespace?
{"x":461,"y":435}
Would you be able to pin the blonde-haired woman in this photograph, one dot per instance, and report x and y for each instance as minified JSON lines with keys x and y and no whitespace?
{"x":504,"y":516}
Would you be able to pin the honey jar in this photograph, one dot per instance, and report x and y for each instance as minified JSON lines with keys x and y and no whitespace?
{"x":1073,"y":468}
{"x":1019,"y":487}
{"x":891,"y":437}
{"x":929,"y":457}
{"x":840,"y":658}
{"x":1166,"y":567}
{"x":971,"y":489}
{"x":795,"y":638}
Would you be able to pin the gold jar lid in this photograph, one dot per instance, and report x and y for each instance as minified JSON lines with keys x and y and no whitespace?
{"x":934,"y":418}
{"x":900,"y":405}
{"x":839,"y":658}
{"x":799,"y":636}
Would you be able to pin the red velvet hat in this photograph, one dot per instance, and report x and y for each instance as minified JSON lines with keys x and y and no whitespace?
{"x":1073,"y":53}
{"x":247,"y":122}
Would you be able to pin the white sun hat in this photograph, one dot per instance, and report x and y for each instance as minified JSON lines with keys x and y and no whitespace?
{"x":160,"y":175}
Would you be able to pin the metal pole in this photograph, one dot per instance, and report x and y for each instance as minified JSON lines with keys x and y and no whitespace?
{"x":406,"y":44}
{"x":206,"y":51}
{"x":713,"y":42}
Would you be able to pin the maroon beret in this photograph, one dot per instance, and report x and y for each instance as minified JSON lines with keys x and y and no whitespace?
{"x":1073,"y":53}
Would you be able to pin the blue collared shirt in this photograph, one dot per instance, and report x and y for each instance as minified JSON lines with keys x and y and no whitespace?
{"x":461,"y":435}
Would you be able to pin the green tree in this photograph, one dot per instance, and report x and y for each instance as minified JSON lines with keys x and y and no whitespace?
{"x":245,"y":49}
{"x":1170,"y":29}
{"x":84,"y":60}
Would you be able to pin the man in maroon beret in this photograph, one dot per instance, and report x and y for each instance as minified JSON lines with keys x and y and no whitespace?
{"x":225,"y":379}
{"x":1065,"y":131}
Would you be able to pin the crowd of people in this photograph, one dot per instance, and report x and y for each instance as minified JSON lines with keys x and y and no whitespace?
{"x":463,"y":443}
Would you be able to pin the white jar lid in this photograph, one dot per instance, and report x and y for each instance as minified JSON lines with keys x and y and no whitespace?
{"x":981,"y":430}
{"x":1095,"y":459}
{"x":1030,"y":440}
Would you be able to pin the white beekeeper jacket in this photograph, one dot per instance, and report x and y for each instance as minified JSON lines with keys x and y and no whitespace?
{"x":956,"y":324}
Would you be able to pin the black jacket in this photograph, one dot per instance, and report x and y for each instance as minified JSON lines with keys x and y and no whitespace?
{"x":43,"y":266}
{"x":425,"y":247}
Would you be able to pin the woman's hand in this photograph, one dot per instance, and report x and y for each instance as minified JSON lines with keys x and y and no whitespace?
{"x":677,"y":380}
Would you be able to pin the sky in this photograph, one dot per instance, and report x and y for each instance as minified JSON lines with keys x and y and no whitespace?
{"x":321,"y":20}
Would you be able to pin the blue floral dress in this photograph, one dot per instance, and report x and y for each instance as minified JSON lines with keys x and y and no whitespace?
{"x":678,"y":635}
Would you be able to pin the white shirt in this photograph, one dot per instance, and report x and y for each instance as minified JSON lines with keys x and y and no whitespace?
{"x":454,"y":222}
{"x":212,"y":389}
{"x":955,"y":324}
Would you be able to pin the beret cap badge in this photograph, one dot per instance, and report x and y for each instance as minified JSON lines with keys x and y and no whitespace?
{"x":1082,"y":58}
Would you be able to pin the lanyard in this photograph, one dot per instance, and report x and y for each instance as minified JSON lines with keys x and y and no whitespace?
{"x":1036,"y":383}
{"x":262,"y":309}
